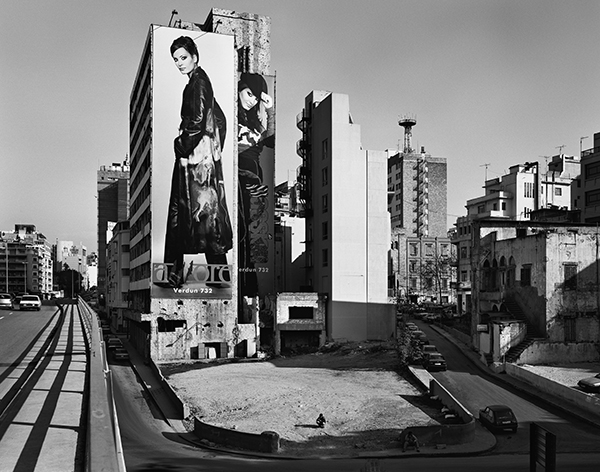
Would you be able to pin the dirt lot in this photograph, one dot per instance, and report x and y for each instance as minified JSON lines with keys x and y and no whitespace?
{"x":364,"y":399}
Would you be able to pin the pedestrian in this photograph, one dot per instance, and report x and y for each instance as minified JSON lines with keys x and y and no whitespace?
{"x":321,"y":421}
{"x":410,"y":440}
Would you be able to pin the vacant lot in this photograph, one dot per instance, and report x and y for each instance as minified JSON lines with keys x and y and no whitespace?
{"x":356,"y":386}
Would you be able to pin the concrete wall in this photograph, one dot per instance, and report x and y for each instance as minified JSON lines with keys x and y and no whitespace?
{"x":547,"y":353}
{"x":580,"y":399}
{"x":268,"y":441}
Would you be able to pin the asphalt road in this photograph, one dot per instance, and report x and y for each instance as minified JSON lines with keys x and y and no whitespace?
{"x":474,"y":389}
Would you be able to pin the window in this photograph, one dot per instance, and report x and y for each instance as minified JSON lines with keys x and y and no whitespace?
{"x":125,"y":247}
{"x":570,"y":276}
{"x":414,"y":249}
{"x":324,"y":230}
{"x":463,"y":252}
{"x":412,"y":266}
{"x":325,"y":149}
{"x":526,"y":276}
{"x":495,"y":206}
{"x":413,"y":283}
{"x":592,"y":170}
{"x":464,"y":276}
{"x":325,"y":255}
{"x":504,"y":205}
{"x":528,"y":190}
{"x":481,"y":209}
{"x":324,"y":176}
{"x":324,"y":201}
{"x":429,"y":249}
{"x":301,"y":312}
{"x":592,"y":198}
{"x":558,"y":191}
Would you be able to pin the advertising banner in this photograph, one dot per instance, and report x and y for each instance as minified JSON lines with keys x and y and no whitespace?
{"x":193,"y":191}
{"x":256,"y":174}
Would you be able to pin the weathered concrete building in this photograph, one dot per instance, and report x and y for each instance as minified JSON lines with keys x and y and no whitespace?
{"x":536,"y":291}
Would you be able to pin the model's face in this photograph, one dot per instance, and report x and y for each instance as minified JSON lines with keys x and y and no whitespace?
{"x":248,"y":99}
{"x":185,"y":62}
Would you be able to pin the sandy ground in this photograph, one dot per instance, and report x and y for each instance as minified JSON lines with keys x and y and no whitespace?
{"x":365,"y":401}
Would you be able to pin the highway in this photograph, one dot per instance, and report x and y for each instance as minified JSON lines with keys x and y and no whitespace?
{"x":42,"y":384}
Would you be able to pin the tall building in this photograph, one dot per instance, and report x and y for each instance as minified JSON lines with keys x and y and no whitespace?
{"x":113,"y":206}
{"x":417,"y":203}
{"x":117,"y":275}
{"x":25,"y":261}
{"x":186,"y":297}
{"x":343,"y":191}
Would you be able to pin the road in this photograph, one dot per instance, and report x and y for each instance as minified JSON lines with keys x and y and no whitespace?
{"x":42,"y":381}
{"x":474,"y":389}
{"x":151,"y":444}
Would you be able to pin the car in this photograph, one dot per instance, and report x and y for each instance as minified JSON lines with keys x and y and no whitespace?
{"x":434,"y":361}
{"x":420,"y":336}
{"x":412,"y":327}
{"x":498,"y":418}
{"x":113,"y":343}
{"x":590,"y":384}
{"x":428,"y":349}
{"x":432,"y":318}
{"x":30,"y":302}
{"x":6,"y":301}
{"x":120,"y":354}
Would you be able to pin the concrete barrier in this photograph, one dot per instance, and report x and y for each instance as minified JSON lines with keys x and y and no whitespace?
{"x":268,"y":441}
{"x":442,"y":433}
{"x":589,"y":403}
{"x":182,"y":408}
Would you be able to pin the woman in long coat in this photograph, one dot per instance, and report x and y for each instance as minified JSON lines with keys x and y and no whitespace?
{"x":198,"y":219}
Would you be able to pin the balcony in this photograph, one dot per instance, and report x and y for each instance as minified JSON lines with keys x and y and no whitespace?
{"x":302,"y":147}
{"x":302,"y":121}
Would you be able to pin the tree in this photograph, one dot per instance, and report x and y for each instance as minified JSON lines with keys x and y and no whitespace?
{"x":434,"y":270}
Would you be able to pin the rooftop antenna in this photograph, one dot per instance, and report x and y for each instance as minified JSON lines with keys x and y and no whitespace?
{"x":407,"y":122}
{"x":560,"y":148}
{"x":173,"y":13}
{"x":486,"y":165}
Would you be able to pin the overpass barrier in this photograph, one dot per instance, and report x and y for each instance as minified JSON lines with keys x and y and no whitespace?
{"x":103,"y":447}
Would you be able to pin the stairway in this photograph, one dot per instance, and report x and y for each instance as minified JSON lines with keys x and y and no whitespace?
{"x":532,"y":336}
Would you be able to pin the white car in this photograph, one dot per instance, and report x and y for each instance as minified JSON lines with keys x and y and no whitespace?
{"x":30,"y":302}
{"x":6,"y":301}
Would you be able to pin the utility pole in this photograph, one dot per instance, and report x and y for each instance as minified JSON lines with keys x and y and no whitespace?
{"x":560,"y":148}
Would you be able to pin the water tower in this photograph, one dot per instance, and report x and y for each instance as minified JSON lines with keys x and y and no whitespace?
{"x":407,"y":122}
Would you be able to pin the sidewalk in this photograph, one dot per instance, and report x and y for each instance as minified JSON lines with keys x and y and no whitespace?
{"x":484,"y":440}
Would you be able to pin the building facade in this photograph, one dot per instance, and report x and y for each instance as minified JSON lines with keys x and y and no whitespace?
{"x":113,"y":206}
{"x":587,"y":196}
{"x":525,"y":193}
{"x":117,"y":276}
{"x":343,"y":192}
{"x":204,"y":310}
{"x":544,"y":278}
{"x":26,"y":264}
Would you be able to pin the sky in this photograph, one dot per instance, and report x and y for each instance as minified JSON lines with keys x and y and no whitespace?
{"x":492,"y":83}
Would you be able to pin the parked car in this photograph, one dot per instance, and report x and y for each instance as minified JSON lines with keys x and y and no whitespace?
{"x":420,"y":336}
{"x":434,"y":361}
{"x":120,"y":354}
{"x":113,"y":342}
{"x":6,"y":301}
{"x":590,"y":384}
{"x":30,"y":302}
{"x":428,"y":349}
{"x":498,"y":418}
{"x":412,"y":327}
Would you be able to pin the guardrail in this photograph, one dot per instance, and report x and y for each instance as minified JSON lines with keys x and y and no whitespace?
{"x":103,"y":449}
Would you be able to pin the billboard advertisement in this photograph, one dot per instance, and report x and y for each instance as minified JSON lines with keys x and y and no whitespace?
{"x":256,"y":176}
{"x":193,"y":191}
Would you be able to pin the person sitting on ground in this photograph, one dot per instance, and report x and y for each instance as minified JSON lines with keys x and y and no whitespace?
{"x":321,"y":421}
{"x":410,"y":440}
